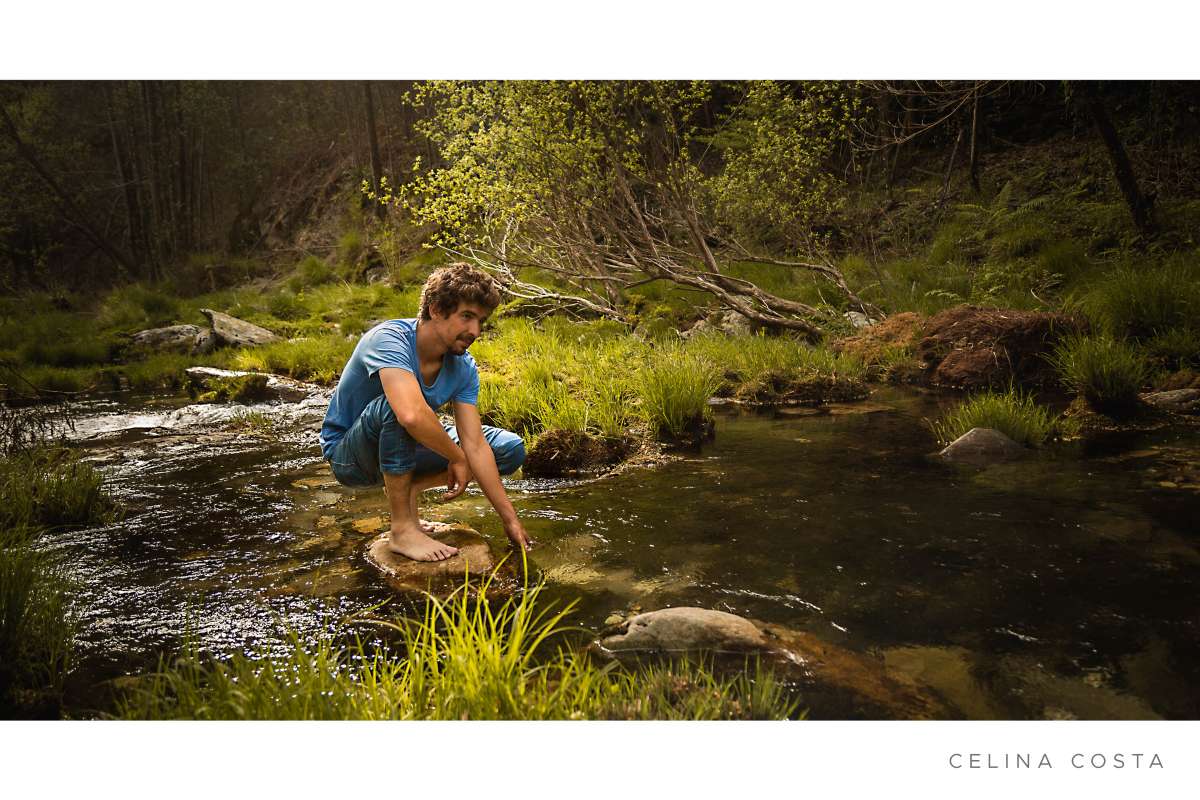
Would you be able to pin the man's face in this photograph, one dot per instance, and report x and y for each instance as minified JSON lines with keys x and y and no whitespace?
{"x":461,"y":328}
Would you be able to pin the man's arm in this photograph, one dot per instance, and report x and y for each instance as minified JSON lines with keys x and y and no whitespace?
{"x":414,"y":414}
{"x":483,"y":465}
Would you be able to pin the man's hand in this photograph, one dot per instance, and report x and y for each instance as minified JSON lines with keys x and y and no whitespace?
{"x":459,"y":476}
{"x":516,"y":534}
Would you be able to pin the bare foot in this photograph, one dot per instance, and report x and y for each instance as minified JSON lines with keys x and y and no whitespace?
{"x":412,"y":542}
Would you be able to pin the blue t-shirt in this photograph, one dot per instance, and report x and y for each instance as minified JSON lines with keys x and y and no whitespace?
{"x":392,"y":344}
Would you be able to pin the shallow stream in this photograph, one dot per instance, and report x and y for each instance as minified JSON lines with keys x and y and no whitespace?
{"x":1060,"y":586}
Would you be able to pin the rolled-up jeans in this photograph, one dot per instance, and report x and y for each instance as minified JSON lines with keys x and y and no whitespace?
{"x":377,"y":443}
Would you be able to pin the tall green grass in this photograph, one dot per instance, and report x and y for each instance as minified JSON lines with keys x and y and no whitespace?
{"x":1140,"y":301}
{"x":317,"y":358}
{"x":1106,"y":372}
{"x":37,"y":627}
{"x":51,"y":487}
{"x":674,"y":386}
{"x":1014,"y":413}
{"x":468,"y":658}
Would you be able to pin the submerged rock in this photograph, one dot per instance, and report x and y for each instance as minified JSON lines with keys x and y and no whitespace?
{"x":967,"y":347}
{"x":1180,"y":401}
{"x":235,"y":332}
{"x":473,"y":562}
{"x":227,"y":384}
{"x":842,"y":683}
{"x":981,"y":446}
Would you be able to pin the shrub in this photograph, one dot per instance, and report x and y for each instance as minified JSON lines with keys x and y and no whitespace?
{"x":469,"y":658}
{"x":286,"y":306}
{"x":349,"y":248}
{"x":1106,"y":372}
{"x":1063,"y":261}
{"x":312,"y":271}
{"x":135,"y":307}
{"x":1013,"y":413}
{"x":1176,"y":348}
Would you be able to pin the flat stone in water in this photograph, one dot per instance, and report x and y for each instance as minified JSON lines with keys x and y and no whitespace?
{"x":472,"y":561}
{"x":326,"y":498}
{"x":314,"y":483}
{"x":801,"y":411}
{"x":843,"y":409}
{"x":370,"y":525}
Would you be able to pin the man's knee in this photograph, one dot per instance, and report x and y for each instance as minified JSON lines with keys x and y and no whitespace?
{"x":510,"y":453}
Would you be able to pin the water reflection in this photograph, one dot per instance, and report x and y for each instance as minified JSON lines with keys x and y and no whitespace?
{"x":1061,"y":585}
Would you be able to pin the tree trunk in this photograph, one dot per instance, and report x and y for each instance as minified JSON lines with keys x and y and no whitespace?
{"x":183,"y":205}
{"x":1140,"y":206}
{"x":70,"y":209}
{"x":373,"y":140}
{"x":950,"y":163}
{"x":133,"y":214}
{"x":974,"y":159}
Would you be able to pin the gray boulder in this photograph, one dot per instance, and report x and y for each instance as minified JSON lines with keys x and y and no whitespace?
{"x":1181,"y":401}
{"x":728,"y":322}
{"x":686,"y":629}
{"x":234,"y":332}
{"x":859,"y":319}
{"x":190,"y":339}
{"x":981,"y":446}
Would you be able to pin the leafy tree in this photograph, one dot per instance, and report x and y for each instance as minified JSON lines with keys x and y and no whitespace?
{"x":605,"y":185}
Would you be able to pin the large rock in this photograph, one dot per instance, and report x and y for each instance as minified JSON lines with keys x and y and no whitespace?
{"x":234,"y":332}
{"x":686,"y":629}
{"x":967,"y":347}
{"x":191,"y":339}
{"x":1180,"y":401}
{"x":266,"y":387}
{"x":836,"y":683}
{"x":473,"y":562}
{"x":982,"y":446}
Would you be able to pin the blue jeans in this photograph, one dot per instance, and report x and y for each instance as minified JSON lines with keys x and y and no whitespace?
{"x":376,"y":443}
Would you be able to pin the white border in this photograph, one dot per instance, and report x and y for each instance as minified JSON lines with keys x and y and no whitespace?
{"x":305,"y":39}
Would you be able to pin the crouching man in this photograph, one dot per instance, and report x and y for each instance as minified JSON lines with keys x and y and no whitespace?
{"x":381,"y":427}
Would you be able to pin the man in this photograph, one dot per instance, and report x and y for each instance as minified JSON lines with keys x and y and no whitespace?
{"x":381,"y":425}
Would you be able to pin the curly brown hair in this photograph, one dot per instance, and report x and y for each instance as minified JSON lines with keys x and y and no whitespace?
{"x":452,"y":284}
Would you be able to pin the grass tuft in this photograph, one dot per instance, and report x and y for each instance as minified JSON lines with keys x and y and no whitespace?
{"x":1013,"y":413}
{"x":51,"y":487}
{"x":1106,"y":372}
{"x":674,"y":388}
